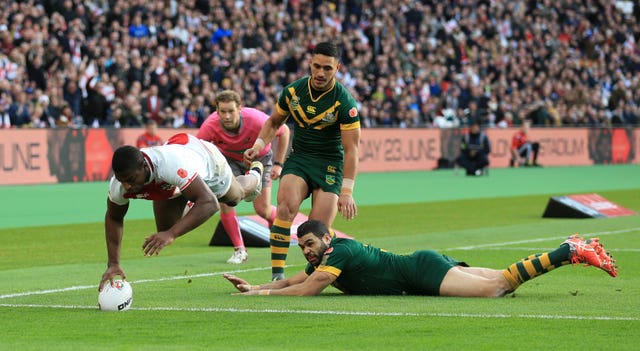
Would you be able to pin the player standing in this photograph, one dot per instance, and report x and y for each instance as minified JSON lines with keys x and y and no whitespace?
{"x":324,"y":158}
{"x":233,"y":129}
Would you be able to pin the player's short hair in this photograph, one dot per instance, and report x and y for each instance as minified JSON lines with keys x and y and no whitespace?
{"x":228,"y":96}
{"x":126,"y":158}
{"x":328,"y":49}
{"x":313,"y":226}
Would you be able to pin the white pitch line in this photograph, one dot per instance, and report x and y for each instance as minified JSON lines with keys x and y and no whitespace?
{"x":343,"y":313}
{"x":586,"y":235}
{"x":85,"y":287}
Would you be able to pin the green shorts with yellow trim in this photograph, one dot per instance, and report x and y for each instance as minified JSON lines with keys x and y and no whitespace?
{"x":317,"y":173}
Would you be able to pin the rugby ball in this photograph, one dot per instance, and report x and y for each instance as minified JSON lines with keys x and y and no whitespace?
{"x":116,"y":297}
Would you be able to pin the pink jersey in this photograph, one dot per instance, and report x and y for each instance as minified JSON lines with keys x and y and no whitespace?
{"x":233,"y":144}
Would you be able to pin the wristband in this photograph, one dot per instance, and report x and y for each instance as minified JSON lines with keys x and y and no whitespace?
{"x":347,"y":186}
{"x":276,"y":163}
{"x":259,"y":143}
{"x":265,"y":292}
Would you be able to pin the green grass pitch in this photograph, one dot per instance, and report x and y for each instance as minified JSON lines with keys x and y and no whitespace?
{"x":52,"y":254}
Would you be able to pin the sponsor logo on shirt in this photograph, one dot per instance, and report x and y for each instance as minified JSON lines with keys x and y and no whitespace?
{"x":311,"y":109}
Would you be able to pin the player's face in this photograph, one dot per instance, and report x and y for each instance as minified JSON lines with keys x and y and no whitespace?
{"x":323,"y":71}
{"x":229,"y":114}
{"x":313,"y":248}
{"x":133,"y":180}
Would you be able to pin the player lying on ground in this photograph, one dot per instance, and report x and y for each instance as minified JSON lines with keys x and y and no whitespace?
{"x":355,"y":268}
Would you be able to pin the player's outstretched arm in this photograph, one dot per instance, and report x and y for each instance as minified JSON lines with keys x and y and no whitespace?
{"x":113,"y":229}
{"x":267,"y":133}
{"x":312,"y":285}
{"x":244,"y":286}
{"x":205,"y":205}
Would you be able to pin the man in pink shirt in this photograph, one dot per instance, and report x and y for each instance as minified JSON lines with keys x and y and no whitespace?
{"x":233,"y":129}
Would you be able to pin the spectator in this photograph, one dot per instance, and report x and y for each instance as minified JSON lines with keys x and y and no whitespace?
{"x":523,"y":151}
{"x":150,"y":137}
{"x":152,"y":106}
{"x":580,"y":60}
{"x":474,"y":151}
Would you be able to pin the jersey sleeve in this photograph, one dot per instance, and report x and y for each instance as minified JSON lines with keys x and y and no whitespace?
{"x":116,"y":192}
{"x":336,"y":259}
{"x":348,"y":112}
{"x":282,"y":107}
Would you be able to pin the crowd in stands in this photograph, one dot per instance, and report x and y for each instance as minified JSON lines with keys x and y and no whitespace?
{"x":408,"y":63}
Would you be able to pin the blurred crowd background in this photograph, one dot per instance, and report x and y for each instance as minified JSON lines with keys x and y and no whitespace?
{"x":434,"y":64}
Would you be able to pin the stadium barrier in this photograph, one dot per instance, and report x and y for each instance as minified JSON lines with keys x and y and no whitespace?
{"x":40,"y":156}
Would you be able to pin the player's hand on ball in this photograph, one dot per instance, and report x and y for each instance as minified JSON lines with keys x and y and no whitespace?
{"x":155,"y":243}
{"x":110,"y":274}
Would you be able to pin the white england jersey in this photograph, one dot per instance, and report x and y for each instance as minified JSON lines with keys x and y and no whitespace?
{"x":174,"y":166}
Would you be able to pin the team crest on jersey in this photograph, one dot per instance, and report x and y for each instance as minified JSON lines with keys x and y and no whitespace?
{"x":330,"y":179}
{"x":295,"y":102}
{"x":329,"y":118}
{"x":331,"y":169}
{"x":182,"y":173}
{"x":353,"y":112}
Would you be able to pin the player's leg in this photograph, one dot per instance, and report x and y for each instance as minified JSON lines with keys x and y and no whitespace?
{"x":291,"y":192}
{"x":324,"y":207}
{"x":263,"y":207}
{"x":464,"y":282}
{"x":244,"y":186}
{"x":573,"y":250}
{"x":262,"y":203}
{"x":168,"y":212}
{"x":229,"y":221}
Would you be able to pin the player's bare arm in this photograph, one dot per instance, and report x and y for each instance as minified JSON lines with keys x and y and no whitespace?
{"x":243,"y":286}
{"x":280,"y":153}
{"x":346,"y":203}
{"x":267,"y":133}
{"x":312,"y":285}
{"x":205,"y":205}
{"x":113,"y":223}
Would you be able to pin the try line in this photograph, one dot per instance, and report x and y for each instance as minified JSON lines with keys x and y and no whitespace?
{"x":344,"y":313}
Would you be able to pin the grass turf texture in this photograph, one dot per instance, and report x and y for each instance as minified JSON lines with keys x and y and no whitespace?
{"x":182,"y":302}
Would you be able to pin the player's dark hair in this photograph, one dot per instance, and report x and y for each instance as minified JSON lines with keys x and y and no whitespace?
{"x":126,"y":158}
{"x":313,"y":226}
{"x":328,"y":49}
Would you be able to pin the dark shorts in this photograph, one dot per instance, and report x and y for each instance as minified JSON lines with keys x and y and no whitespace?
{"x":238,"y":167}
{"x":430,"y":269}
{"x":317,"y":173}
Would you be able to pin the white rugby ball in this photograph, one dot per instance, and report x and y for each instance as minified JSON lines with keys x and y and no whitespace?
{"x":118,"y":297}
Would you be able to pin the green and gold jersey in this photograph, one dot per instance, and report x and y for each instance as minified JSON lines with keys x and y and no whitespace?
{"x":366,"y":270}
{"x":318,"y":118}
{"x":363,"y":269}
